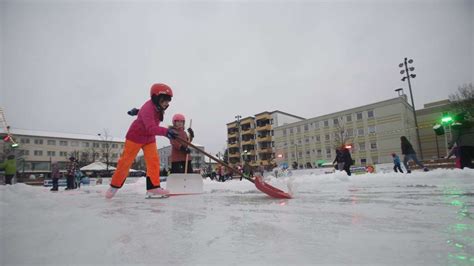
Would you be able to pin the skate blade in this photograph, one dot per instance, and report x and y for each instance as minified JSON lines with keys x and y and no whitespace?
{"x":156,"y":196}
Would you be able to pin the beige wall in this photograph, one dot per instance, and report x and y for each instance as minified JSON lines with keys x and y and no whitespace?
{"x":392,"y":119}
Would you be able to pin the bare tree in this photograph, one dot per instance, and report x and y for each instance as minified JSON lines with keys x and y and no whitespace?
{"x":106,"y":146}
{"x":463,"y":99}
{"x":342,"y":135}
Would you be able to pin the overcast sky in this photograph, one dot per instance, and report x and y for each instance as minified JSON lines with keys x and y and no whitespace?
{"x":79,"y":66}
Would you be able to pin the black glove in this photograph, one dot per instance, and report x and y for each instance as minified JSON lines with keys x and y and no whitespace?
{"x":171,"y":134}
{"x":184,"y":149}
{"x":133,"y":112}
{"x":191,"y":133}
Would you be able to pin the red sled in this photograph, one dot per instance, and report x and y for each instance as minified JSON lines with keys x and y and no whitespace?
{"x":270,"y":190}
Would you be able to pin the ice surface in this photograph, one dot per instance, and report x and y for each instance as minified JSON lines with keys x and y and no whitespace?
{"x":386,"y":218}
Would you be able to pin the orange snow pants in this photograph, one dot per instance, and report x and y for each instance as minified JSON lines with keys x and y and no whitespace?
{"x":129,"y":153}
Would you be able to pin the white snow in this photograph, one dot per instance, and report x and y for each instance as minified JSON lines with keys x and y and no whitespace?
{"x":386,"y":218}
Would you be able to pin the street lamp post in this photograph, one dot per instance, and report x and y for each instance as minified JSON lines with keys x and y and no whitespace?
{"x":106,"y":152}
{"x":296,"y":155}
{"x":407,"y":76}
{"x":238,"y":117}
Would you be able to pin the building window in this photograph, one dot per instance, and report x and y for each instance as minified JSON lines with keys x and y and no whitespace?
{"x":298,"y":129}
{"x":306,"y":140}
{"x":363,"y":161}
{"x":74,"y":143}
{"x":300,"y":154}
{"x":51,"y":142}
{"x":306,"y":127}
{"x":335,"y":121}
{"x":319,"y":152}
{"x":361,"y":146}
{"x":114,"y":146}
{"x":360,"y":132}
{"x":350,"y":132}
{"x":62,"y":143}
{"x":299,"y":141}
{"x":327,"y":137}
{"x":39,"y":141}
{"x":359,"y":116}
{"x":375,"y":160}
{"x":51,"y":153}
{"x":326,"y":123}
{"x":348,"y":118}
{"x":318,"y":138}
{"x":307,"y":152}
{"x":25,"y":152}
{"x":370,"y":113}
{"x":95,"y":145}
{"x":292,"y":142}
{"x":291,"y":131}
{"x":316,"y":124}
{"x":114,"y":155}
{"x":25,"y":141}
{"x":63,"y":154}
{"x":371,"y":129}
{"x":85,"y":144}
{"x":38,"y":153}
{"x":328,"y":150}
{"x":373,"y":145}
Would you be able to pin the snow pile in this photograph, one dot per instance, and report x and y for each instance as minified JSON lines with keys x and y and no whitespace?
{"x":383,"y":218}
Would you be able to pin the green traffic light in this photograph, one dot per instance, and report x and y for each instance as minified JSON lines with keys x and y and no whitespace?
{"x":446,"y":119}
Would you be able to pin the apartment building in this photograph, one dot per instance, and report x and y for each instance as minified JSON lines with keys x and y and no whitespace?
{"x":251,"y":138}
{"x":38,"y":149}
{"x":372,"y":131}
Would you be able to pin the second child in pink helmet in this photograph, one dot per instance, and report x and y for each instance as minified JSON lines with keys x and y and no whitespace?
{"x":180,"y":150}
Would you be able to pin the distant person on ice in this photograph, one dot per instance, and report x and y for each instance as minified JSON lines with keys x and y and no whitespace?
{"x":396,"y":163}
{"x":55,"y":175}
{"x":409,"y":154}
{"x":343,"y":159}
{"x":179,"y":150}
{"x":9,"y":165}
{"x":71,"y":174}
{"x":141,"y":135}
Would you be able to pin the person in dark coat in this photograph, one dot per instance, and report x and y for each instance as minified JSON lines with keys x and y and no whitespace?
{"x":71,"y":173}
{"x":409,"y":154}
{"x":463,"y":137}
{"x":55,"y":176}
{"x":339,"y":160}
{"x":347,"y":159}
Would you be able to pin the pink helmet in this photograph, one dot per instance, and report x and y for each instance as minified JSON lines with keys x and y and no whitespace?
{"x":178,"y":117}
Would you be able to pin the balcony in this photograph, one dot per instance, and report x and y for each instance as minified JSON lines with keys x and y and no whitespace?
{"x":264,"y":128}
{"x":265,"y":150}
{"x":264,"y":139}
{"x":234,"y":155}
{"x":248,"y":131}
{"x":248,"y":142}
{"x":232,"y":135}
{"x":233,"y":125}
{"x":263,"y":116}
{"x":250,"y":153}
{"x":233,"y":145}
